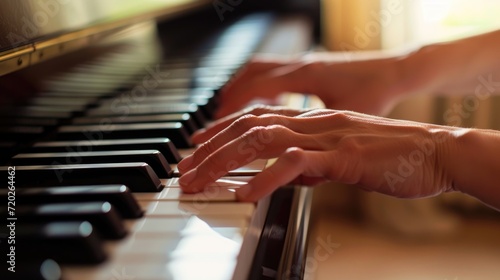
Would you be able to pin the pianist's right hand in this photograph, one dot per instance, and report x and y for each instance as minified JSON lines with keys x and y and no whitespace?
{"x":396,"y":157}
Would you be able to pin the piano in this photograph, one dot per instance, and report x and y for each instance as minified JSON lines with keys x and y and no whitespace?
{"x":99,"y":99}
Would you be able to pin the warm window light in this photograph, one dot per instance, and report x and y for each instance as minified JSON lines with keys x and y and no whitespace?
{"x":435,"y":11}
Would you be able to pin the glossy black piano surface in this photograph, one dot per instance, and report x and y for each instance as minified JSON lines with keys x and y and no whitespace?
{"x":94,"y":135}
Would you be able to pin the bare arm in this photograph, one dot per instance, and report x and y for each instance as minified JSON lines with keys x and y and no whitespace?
{"x":395,"y":157}
{"x":475,"y":165}
{"x":372,"y":82}
{"x":466,"y":66}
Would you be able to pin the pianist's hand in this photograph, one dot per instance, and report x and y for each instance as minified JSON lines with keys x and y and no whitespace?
{"x":395,"y":157}
{"x":366,"y":85}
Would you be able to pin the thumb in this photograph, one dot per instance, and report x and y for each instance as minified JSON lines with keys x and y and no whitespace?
{"x":294,"y":163}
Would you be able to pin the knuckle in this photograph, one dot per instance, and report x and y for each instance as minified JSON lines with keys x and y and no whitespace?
{"x":339,"y":117}
{"x":276,"y":128}
{"x":260,"y":109}
{"x":294,"y":155}
{"x":271,"y":118}
{"x":206,"y":148}
{"x":254,"y":131}
{"x":244,"y":122}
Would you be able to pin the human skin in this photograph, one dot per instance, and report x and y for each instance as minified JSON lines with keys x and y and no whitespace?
{"x":395,"y":157}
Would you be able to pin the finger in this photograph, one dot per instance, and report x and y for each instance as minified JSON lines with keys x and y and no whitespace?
{"x":268,"y":85}
{"x":330,"y":126}
{"x":295,"y":162}
{"x":253,"y":68}
{"x":210,"y":131}
{"x":258,"y":143}
{"x":246,"y":123}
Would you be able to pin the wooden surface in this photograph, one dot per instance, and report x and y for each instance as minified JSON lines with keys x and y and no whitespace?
{"x":438,"y":244}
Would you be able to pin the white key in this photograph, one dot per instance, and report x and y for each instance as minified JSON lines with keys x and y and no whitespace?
{"x":222,"y":190}
{"x":202,"y":208}
{"x":250,"y":169}
{"x":156,"y":243}
{"x":206,"y":268}
{"x":211,"y":193}
{"x":224,"y":182}
{"x":170,"y":247}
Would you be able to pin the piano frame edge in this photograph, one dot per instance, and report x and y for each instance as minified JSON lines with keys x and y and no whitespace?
{"x":282,"y":256}
{"x":295,"y":251}
{"x":42,"y":50}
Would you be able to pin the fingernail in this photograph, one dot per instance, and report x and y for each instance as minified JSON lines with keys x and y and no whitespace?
{"x":187,"y":178}
{"x":185,"y":163}
{"x":243,"y":192}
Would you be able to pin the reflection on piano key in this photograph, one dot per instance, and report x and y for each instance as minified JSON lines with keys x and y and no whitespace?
{"x":167,"y":246}
{"x":152,"y":157}
{"x":164,"y":145}
{"x":198,"y":208}
{"x":174,"y":131}
{"x":183,"y":118}
{"x":101,"y":215}
{"x":137,"y":176}
{"x":41,"y":269}
{"x":118,"y":195}
{"x":53,"y":240}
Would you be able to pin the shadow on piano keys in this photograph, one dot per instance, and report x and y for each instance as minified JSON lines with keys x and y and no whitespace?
{"x":95,"y":151}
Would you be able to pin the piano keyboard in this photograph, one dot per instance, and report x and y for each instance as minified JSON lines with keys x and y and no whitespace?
{"x":96,"y":182}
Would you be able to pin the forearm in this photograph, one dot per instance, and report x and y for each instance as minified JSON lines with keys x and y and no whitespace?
{"x":474,"y":165}
{"x":457,"y":67}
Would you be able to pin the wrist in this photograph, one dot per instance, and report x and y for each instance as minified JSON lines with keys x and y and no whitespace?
{"x":419,"y":73}
{"x":472,"y":164}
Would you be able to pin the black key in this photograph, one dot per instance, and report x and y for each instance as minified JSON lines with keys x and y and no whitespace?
{"x":174,"y":131}
{"x":175,"y":83}
{"x":20,"y":133}
{"x":77,"y":94}
{"x":215,"y":81}
{"x":202,"y":97}
{"x":164,"y":145}
{"x":89,"y":85}
{"x":20,"y":121}
{"x":152,"y":157}
{"x":65,"y":242}
{"x":159,"y":109}
{"x":62,"y":101}
{"x":138,"y":176}
{"x":7,"y":149}
{"x":41,"y":269}
{"x":206,"y":105}
{"x":118,"y":195}
{"x":101,"y":215}
{"x":185,"y":119}
{"x":194,"y":92}
{"x":40,"y":111}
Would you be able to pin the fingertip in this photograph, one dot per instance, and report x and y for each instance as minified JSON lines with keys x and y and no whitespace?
{"x":185,"y":163}
{"x":243,"y":194}
{"x":186,"y":180}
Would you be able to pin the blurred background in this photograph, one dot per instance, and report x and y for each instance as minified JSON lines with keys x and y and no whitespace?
{"x":377,"y":237}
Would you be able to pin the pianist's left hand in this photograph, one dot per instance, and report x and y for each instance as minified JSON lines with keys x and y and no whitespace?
{"x":395,"y":157}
